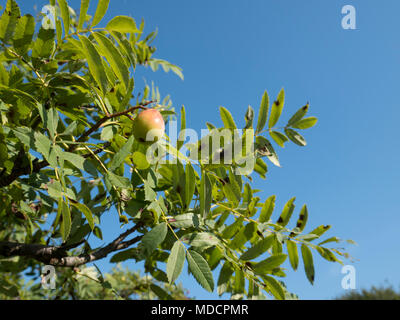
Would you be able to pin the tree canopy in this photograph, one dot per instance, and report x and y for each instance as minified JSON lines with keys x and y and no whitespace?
{"x":382,"y":292}
{"x":68,"y":157}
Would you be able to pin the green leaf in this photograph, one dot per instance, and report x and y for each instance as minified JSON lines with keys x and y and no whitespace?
{"x":263,"y":113}
{"x":265,"y":148}
{"x":261,"y":168}
{"x":52,"y":121}
{"x":205,"y":194}
{"x":23,"y":34}
{"x":215,"y":257}
{"x":295,"y":137}
{"x":224,"y":277}
{"x":63,"y":211}
{"x":199,"y":268}
{"x":258,"y":249}
{"x":253,"y":290}
{"x":44,"y":44}
{"x":154,"y":64}
{"x":54,"y":190}
{"x":25,"y":97}
{"x":308,"y":263}
{"x":210,"y":126}
{"x":276,"y":109}
{"x":286,"y":212}
{"x":332,"y":239}
{"x":118,"y":181}
{"x":238,"y":282}
{"x":43,"y":113}
{"x":232,"y":229}
{"x":122,"y":154}
{"x":122,"y":24}
{"x":200,"y":239}
{"x":298,"y":115}
{"x":114,"y":58}
{"x":270,"y":263}
{"x":186,"y":220}
{"x":181,"y":137}
{"x":175,"y":261}
{"x":150,"y":194}
{"x":8,"y":20}
{"x":124,"y":255}
{"x":279,"y":138}
{"x":64,"y":15}
{"x":4,"y":79}
{"x":249,"y":117}
{"x":319,"y":231}
{"x":293,"y":254}
{"x":267,"y":209}
{"x":160,"y":292}
{"x":77,"y":160}
{"x":58,"y":29}
{"x":247,"y":194}
{"x":307,"y":237}
{"x":177,"y":70}
{"x":140,"y":161}
{"x":305,"y":123}
{"x":26,"y":136}
{"x":303,"y":217}
{"x":101,"y":10}
{"x":108,"y":132}
{"x":43,"y":145}
{"x":232,"y":189}
{"x":98,"y":233}
{"x":244,"y":235}
{"x":78,"y":231}
{"x":86,"y":211}
{"x":274,"y":287}
{"x":328,"y":254}
{"x":125,"y":101}
{"x":190,"y":183}
{"x":82,"y":13}
{"x":227,"y":118}
{"x":153,"y":238}
{"x":95,"y":63}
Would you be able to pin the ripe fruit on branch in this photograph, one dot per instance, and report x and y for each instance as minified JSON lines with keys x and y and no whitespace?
{"x":148,"y":126}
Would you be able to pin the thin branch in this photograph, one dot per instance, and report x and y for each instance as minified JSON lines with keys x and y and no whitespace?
{"x":57,"y":256}
{"x":98,"y":150}
{"x":107,"y":117}
{"x":26,"y":62}
{"x":37,"y":165}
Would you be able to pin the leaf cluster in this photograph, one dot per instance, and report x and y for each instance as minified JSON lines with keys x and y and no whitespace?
{"x":68,"y":157}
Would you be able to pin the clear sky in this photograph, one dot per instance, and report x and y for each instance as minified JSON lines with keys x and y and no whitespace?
{"x":348,"y":174}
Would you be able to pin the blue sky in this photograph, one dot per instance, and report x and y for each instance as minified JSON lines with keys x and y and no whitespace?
{"x":348,"y":174}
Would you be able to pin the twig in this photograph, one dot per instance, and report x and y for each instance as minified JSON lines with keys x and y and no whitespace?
{"x":57,"y":256}
{"x":37,"y":165}
{"x":107,"y":117}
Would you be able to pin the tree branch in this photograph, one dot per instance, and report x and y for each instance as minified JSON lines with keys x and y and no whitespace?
{"x":98,"y":150}
{"x":37,"y":165}
{"x":18,"y":171}
{"x":107,"y":117}
{"x":57,"y":256}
